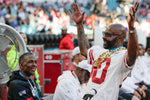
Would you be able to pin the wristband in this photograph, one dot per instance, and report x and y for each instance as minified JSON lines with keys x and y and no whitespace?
{"x":132,"y":31}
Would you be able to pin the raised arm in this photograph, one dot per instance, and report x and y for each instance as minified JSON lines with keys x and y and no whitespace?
{"x":132,"y":42}
{"x":77,"y":17}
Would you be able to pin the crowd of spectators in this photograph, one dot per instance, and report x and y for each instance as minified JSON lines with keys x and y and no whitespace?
{"x":47,"y":17}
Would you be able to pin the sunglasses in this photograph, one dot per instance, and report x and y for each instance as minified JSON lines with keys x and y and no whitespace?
{"x":107,"y":34}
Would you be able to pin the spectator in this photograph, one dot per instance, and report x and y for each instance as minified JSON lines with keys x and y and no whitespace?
{"x":36,"y":75}
{"x":66,"y":42}
{"x":138,"y":74}
{"x":11,"y":54}
{"x":10,"y":20}
{"x":22,"y":15}
{"x":21,"y":85}
{"x":110,"y":66}
{"x":13,"y":62}
{"x":43,"y":20}
{"x":69,"y":83}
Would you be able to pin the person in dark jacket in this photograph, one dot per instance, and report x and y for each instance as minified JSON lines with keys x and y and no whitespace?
{"x":21,"y":85}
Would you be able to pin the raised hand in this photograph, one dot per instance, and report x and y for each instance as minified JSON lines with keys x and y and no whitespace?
{"x":132,"y":15}
{"x":77,"y":16}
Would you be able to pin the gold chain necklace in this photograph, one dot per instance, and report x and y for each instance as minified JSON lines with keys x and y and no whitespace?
{"x":105,"y":55}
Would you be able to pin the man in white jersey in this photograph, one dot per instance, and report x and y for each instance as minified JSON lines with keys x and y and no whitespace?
{"x":69,"y":83}
{"x":138,"y":74}
{"x":111,"y":65}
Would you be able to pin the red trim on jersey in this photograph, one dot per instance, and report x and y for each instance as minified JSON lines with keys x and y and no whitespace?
{"x":123,"y":80}
{"x":91,"y":56}
{"x":73,"y":74}
{"x":120,"y":86}
{"x":92,"y":70}
{"x":30,"y":98}
{"x":126,"y":66}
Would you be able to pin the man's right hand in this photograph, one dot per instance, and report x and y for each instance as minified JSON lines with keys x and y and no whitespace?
{"x":77,"y":16}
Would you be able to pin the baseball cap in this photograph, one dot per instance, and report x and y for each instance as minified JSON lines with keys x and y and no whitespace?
{"x":84,"y":65}
{"x":75,"y":51}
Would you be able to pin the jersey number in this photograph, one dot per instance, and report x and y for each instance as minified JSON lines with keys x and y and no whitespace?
{"x":101,"y":79}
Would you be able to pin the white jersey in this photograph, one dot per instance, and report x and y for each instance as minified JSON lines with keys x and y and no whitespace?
{"x":68,"y":87}
{"x":105,"y":80}
{"x":139,"y":73}
{"x":146,"y":60}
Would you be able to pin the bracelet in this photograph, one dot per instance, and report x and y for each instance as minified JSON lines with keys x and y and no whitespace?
{"x":132,"y":31}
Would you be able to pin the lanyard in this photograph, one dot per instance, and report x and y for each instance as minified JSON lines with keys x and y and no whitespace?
{"x":33,"y":87}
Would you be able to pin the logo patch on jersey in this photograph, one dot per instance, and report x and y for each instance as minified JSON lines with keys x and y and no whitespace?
{"x":21,"y":93}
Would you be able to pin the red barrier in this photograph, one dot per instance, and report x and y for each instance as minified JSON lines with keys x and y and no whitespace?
{"x":55,"y":62}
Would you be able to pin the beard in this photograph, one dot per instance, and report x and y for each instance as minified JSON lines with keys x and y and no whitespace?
{"x":110,"y":44}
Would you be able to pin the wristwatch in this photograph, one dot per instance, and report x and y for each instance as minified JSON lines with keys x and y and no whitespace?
{"x":132,"y":31}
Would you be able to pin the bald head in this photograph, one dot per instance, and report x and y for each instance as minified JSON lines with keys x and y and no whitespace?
{"x":117,"y":29}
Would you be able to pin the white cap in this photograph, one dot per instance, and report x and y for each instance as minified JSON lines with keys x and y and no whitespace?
{"x":84,"y":65}
{"x":75,"y":51}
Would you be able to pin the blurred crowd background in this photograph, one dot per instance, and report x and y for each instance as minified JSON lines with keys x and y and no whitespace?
{"x":45,"y":18}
